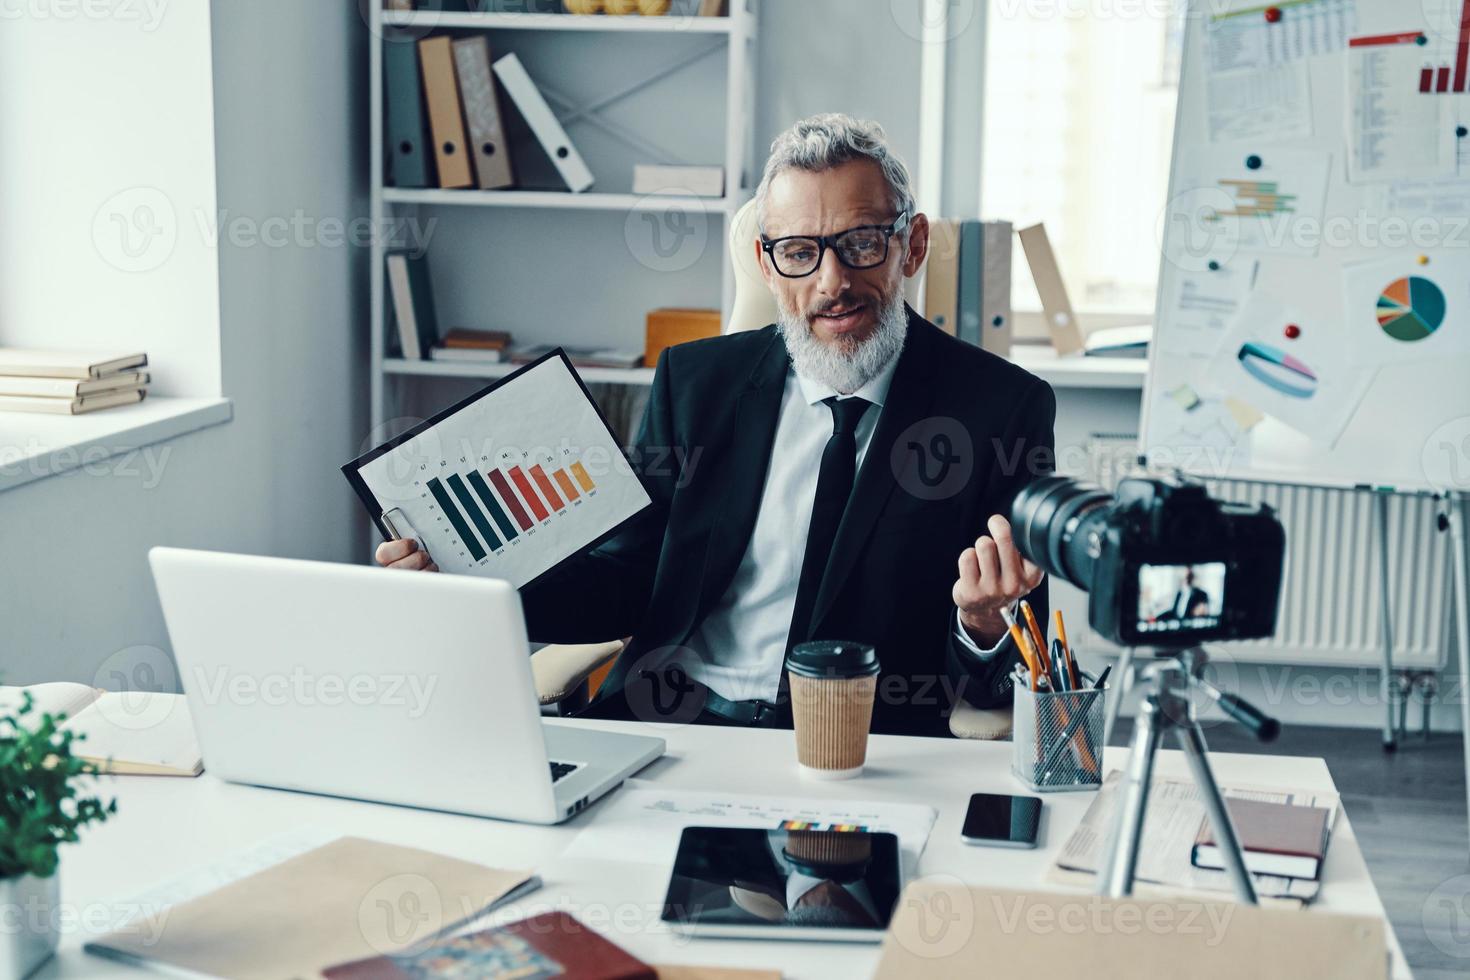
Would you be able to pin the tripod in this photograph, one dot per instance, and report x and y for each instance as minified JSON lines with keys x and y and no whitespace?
{"x":1166,"y":708}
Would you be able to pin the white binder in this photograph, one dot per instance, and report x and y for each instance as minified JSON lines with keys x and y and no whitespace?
{"x":538,"y":115}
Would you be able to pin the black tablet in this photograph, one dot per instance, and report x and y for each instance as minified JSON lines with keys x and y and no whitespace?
{"x":784,"y":884}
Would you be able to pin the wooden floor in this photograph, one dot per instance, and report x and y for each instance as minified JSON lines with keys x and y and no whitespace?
{"x":1408,"y":810}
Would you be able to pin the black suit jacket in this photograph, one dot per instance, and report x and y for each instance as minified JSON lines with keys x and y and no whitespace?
{"x":960,"y":432}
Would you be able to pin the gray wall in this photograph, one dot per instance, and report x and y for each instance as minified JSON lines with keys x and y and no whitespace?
{"x":290,"y":128}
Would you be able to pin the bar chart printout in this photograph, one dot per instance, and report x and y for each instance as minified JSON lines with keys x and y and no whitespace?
{"x":509,"y":482}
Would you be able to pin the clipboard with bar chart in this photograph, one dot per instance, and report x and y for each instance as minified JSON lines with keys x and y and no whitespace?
{"x":507,"y":483}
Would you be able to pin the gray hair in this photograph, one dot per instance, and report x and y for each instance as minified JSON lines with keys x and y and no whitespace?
{"x":826,"y":140}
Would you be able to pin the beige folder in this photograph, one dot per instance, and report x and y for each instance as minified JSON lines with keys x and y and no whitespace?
{"x":446,"y":123}
{"x":482,"y":113}
{"x":1066,"y":335}
{"x":347,"y":900}
{"x":948,"y":930}
{"x":942,"y":280}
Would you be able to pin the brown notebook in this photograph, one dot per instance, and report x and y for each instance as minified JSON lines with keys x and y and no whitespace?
{"x":553,"y":944}
{"x":349,"y":899}
{"x":1277,"y":838}
{"x":446,"y":122}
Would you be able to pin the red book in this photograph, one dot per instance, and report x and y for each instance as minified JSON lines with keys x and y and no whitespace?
{"x":1277,"y":838}
{"x":546,"y":945}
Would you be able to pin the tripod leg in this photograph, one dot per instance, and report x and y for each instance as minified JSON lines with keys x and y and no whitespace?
{"x":1193,"y":744}
{"x":1117,"y":877}
{"x":1116,"y":695}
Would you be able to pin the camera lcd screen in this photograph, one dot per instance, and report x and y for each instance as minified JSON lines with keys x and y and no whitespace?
{"x":1176,"y":598}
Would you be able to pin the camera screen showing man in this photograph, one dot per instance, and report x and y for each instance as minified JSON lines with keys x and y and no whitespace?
{"x":1178,"y":597}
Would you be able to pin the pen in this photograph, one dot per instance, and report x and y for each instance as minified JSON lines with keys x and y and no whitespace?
{"x":1102,"y":678}
{"x":1075,"y":682}
{"x":1058,"y":668}
{"x":1019,"y":639}
{"x":1036,"y":637}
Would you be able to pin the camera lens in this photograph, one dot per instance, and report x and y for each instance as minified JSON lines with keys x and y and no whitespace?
{"x":1054,"y":521}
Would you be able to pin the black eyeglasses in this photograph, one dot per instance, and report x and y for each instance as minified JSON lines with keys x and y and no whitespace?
{"x":863,"y":247}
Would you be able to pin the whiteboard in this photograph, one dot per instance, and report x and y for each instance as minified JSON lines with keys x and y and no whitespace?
{"x":1314,"y":294}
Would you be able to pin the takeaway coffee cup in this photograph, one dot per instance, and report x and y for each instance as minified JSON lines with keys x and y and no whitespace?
{"x":832,"y":687}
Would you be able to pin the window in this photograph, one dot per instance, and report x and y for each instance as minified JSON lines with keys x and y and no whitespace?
{"x":1079,"y":121}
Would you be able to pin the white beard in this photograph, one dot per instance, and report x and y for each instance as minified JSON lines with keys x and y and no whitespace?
{"x":845,"y":366}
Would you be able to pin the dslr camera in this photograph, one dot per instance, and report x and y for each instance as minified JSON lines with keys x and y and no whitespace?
{"x":1163,"y":563}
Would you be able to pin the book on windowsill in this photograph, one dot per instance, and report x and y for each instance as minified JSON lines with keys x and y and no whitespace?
{"x":71,"y":406}
{"x":598,"y":357}
{"x":124,"y":733}
{"x":79,"y":364}
{"x":33,"y":387}
{"x":1277,"y":838}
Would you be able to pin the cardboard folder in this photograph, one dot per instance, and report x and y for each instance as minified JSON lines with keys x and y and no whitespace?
{"x":346,"y":900}
{"x":482,"y":113}
{"x":948,"y":930}
{"x":408,"y":157}
{"x":942,"y":275}
{"x":441,"y":92}
{"x":985,"y":285}
{"x":1066,"y":335}
{"x":542,"y":122}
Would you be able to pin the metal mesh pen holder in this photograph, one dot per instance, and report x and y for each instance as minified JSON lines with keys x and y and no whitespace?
{"x":1057,"y":738}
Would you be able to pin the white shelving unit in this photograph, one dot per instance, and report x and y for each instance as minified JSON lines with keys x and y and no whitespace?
{"x":737,"y":31}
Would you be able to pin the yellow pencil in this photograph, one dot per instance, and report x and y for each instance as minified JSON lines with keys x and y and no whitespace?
{"x":1036,"y":636}
{"x":1019,"y":639}
{"x":1066,"y":649}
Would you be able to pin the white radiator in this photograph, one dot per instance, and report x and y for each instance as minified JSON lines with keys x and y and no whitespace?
{"x":1330,"y":601}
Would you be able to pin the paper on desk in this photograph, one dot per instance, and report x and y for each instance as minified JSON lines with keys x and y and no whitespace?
{"x":1175,"y":812}
{"x":642,"y":821}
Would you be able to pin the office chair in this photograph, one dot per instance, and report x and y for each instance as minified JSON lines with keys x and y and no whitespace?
{"x":563,"y":671}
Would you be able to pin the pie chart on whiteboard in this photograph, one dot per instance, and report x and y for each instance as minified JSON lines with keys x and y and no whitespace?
{"x":1411,"y":308}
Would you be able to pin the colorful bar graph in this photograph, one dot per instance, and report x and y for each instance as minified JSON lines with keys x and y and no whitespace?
{"x":524,"y":486}
{"x":473,"y":509}
{"x":1462,"y":52}
{"x":510,"y":498}
{"x":580,"y":472}
{"x":539,"y":475}
{"x":1426,"y":80}
{"x":472,"y":545}
{"x":565,"y":482}
{"x":491,"y":504}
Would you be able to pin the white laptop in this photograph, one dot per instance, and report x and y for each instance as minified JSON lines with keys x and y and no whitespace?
{"x":399,"y":687}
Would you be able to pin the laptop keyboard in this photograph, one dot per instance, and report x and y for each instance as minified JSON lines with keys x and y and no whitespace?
{"x":560,"y":769}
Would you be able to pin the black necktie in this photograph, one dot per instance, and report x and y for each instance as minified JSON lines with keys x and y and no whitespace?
{"x":834,"y":486}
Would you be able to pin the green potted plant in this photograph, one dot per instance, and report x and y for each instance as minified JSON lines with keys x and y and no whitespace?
{"x":41,"y":808}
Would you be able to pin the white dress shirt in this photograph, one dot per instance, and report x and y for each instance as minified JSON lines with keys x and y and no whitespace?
{"x":739,"y":648}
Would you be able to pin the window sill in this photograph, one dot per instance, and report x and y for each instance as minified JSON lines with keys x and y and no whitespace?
{"x":33,"y":446}
{"x":1077,"y":371}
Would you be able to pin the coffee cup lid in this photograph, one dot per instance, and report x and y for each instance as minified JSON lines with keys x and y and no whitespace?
{"x":832,"y":658}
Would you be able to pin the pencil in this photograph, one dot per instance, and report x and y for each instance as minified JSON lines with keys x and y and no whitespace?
{"x":1066,"y":649}
{"x":1019,"y":639}
{"x":1036,"y":635}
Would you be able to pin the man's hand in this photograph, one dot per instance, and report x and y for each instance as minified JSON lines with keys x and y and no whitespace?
{"x":993,"y":575}
{"x":406,"y":554}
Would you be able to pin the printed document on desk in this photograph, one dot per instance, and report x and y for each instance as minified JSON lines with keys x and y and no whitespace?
{"x":641,"y":822}
{"x":507,"y":483}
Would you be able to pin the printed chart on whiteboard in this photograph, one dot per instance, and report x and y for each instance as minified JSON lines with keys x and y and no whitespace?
{"x":507,"y":483}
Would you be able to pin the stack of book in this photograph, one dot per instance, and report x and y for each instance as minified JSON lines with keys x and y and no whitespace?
{"x":62,"y":382}
{"x":479,"y":346}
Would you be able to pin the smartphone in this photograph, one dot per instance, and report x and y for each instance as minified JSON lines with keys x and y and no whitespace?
{"x":996,"y":820}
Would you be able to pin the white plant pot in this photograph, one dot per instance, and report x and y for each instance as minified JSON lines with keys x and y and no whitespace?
{"x":27,"y":923}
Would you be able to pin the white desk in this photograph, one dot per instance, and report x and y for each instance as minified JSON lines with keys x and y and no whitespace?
{"x":168,"y":827}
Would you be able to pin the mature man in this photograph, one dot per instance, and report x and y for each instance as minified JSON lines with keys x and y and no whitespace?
{"x":825,"y":477}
